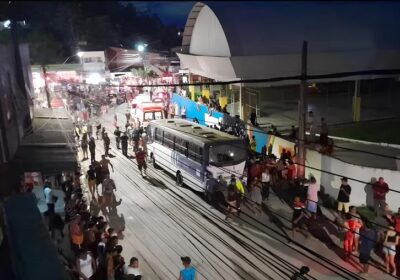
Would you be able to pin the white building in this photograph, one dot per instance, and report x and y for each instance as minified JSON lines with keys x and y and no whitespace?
{"x":93,"y":66}
{"x":262,"y":40}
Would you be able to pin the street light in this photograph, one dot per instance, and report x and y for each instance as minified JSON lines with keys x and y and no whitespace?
{"x":141,"y":47}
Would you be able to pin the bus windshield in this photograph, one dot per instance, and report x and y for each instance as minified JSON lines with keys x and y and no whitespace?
{"x":227,"y":154}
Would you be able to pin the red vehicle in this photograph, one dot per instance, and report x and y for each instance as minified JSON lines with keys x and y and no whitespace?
{"x":147,"y":111}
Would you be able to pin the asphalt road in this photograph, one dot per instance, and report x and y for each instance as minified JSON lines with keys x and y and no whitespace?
{"x":162,"y":222}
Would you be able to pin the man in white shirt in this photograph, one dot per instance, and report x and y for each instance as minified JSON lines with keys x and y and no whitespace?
{"x":48,"y":194}
{"x":312,"y":197}
{"x":132,"y":270}
{"x":265,"y":181}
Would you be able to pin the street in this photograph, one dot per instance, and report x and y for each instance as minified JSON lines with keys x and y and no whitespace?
{"x":163,"y":222}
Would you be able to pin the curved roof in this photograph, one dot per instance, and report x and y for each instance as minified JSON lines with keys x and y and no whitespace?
{"x":265,"y":28}
{"x":244,"y":40}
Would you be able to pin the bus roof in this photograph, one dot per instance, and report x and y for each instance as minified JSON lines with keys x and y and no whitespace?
{"x":195,"y":131}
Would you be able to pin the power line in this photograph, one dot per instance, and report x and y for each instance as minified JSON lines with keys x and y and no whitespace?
{"x":280,"y":79}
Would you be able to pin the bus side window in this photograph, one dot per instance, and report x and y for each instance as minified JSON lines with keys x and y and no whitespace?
{"x":181,"y":146}
{"x":195,"y":152}
{"x":159,"y":135}
{"x":168,"y":140}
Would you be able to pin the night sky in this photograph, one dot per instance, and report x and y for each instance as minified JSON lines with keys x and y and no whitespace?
{"x":170,"y":12}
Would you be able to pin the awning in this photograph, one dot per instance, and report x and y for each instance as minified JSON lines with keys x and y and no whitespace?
{"x":48,"y":160}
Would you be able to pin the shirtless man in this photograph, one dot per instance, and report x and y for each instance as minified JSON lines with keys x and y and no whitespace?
{"x":104,"y":166}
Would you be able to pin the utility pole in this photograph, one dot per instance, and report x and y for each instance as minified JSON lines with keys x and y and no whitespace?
{"x":46,"y":87}
{"x":301,"y":155}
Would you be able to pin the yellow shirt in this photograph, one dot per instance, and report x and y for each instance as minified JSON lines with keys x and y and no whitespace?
{"x":253,"y":145}
{"x":239,"y":187}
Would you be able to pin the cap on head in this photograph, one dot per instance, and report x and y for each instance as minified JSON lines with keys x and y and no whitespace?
{"x":186,"y":260}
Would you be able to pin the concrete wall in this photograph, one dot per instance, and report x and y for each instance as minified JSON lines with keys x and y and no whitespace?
{"x":15,"y":100}
{"x":361,"y":191}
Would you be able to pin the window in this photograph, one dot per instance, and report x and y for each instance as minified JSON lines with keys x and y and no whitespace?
{"x":227,"y":154}
{"x":159,"y":135}
{"x":195,"y":152}
{"x":168,"y":140}
{"x":181,"y":146}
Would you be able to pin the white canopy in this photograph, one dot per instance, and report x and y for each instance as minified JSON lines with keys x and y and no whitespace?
{"x":232,"y":41}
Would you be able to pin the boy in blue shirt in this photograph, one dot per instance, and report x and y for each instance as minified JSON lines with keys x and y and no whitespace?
{"x":189,"y":272}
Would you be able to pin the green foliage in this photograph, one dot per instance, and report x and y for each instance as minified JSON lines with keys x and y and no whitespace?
{"x":55,"y":28}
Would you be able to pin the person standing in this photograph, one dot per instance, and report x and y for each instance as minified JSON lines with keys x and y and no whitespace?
{"x":183,"y":112}
{"x":357,"y":218}
{"x":266,"y":183}
{"x":106,"y":141}
{"x":135,"y":139}
{"x":239,"y":190}
{"x":84,"y":146}
{"x":115,"y":120}
{"x":253,"y":118}
{"x":119,"y":263}
{"x":91,"y":177}
{"x":189,"y":272}
{"x":253,"y":144}
{"x":143,"y":141}
{"x":124,"y":143}
{"x":98,"y":130}
{"x":344,"y":196}
{"x":312,"y":197}
{"x":108,"y":187}
{"x":92,"y":149}
{"x":350,"y":226}
{"x":323,"y":137}
{"x":380,"y":189}
{"x":368,"y":239}
{"x":128,"y":116}
{"x":48,"y":194}
{"x":110,"y":263}
{"x":86,"y":265}
{"x":141,"y":161}
{"x":117,"y":134}
{"x":90,"y":129}
{"x":298,"y":216}
{"x":76,"y":233}
{"x":104,"y":166}
{"x":389,"y":249}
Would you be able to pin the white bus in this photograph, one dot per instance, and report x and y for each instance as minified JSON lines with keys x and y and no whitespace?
{"x":189,"y":151}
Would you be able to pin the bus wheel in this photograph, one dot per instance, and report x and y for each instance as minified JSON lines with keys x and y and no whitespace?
{"x":179,"y":179}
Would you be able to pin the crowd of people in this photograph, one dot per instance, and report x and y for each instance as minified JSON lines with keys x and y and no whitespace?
{"x":95,"y":243}
{"x":359,"y":235}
